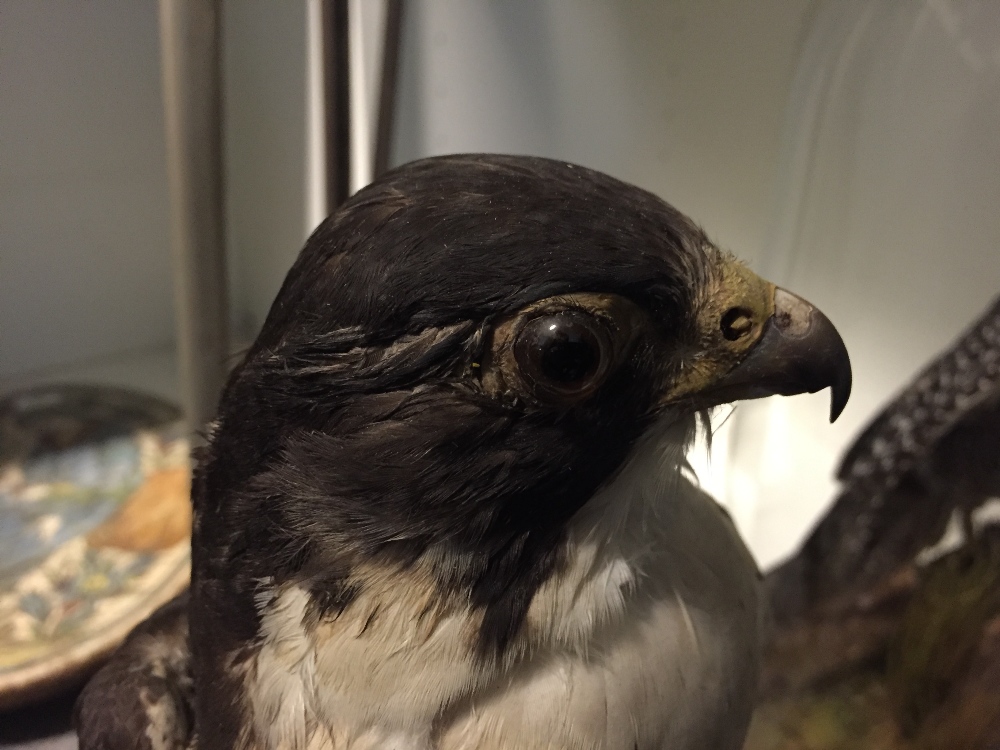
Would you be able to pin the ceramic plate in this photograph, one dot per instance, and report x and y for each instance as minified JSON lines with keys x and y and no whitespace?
{"x":95,"y":521}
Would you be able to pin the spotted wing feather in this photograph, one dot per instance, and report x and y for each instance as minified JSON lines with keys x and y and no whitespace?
{"x":899,"y":475}
{"x":958,"y":382}
{"x":142,"y":698}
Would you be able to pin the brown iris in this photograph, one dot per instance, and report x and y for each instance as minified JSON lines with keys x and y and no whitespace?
{"x":563,"y":355}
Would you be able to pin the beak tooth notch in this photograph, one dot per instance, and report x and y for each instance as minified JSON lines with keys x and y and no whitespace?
{"x":795,"y":350}
{"x":800,"y":351}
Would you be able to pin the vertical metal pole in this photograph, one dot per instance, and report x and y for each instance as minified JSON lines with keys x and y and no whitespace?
{"x":387,"y":89}
{"x":190,"y":35}
{"x":336,"y":84}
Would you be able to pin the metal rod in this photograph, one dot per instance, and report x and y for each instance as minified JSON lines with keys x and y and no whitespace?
{"x":190,"y":35}
{"x":387,"y":89}
{"x":336,"y":86}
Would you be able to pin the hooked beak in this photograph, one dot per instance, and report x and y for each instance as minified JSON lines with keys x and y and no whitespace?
{"x":761,"y":340}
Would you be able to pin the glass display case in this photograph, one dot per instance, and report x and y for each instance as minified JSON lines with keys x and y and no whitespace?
{"x":885,"y":217}
{"x":849,"y":149}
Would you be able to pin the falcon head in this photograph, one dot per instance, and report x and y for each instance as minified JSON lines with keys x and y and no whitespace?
{"x":458,"y":360}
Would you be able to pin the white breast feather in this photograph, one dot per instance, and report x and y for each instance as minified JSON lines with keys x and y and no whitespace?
{"x":646,"y":638}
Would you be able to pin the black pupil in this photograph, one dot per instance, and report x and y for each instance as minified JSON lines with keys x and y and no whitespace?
{"x":568,"y":351}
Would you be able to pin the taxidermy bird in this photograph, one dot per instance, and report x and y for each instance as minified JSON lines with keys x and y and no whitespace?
{"x":875,"y":646}
{"x":933,"y":451}
{"x":444,"y":503}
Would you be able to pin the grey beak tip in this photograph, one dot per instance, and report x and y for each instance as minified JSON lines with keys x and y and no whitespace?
{"x":839,"y":362}
{"x":840,"y":392}
{"x":828,"y":363}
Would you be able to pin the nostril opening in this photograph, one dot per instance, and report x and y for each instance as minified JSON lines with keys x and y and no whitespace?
{"x":736,"y":323}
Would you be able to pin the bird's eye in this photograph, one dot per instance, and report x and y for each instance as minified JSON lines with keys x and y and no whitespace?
{"x":564,"y":355}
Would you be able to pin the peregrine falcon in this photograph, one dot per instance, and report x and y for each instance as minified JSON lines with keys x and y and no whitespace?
{"x":933,"y":451}
{"x":444,"y":503}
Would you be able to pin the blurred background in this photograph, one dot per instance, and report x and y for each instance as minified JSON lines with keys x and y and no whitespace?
{"x":848,"y":149}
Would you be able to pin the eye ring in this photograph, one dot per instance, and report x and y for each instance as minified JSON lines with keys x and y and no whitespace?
{"x":563,"y":356}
